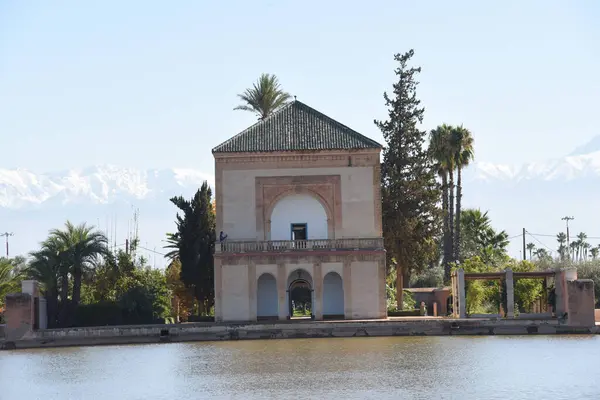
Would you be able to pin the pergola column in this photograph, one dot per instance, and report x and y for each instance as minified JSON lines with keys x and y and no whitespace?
{"x":510,"y":293}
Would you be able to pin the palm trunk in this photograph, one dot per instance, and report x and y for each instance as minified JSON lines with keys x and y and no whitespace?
{"x":64,"y":302}
{"x":451,"y":214}
{"x":458,"y":210}
{"x":77,"y":277}
{"x":446,"y":233}
{"x":399,"y":287}
{"x":52,"y":304}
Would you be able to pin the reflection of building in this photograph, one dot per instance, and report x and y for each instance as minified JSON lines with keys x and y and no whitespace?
{"x":298,"y":195}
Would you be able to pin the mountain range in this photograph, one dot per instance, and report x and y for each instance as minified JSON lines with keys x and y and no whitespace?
{"x":534,"y":196}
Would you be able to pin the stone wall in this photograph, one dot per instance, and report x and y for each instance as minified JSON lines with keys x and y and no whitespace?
{"x":430,"y":296}
{"x":19,"y":315}
{"x":580,"y":303}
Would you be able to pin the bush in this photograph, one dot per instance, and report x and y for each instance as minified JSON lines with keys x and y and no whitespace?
{"x":99,"y":314}
{"x":431,"y":277}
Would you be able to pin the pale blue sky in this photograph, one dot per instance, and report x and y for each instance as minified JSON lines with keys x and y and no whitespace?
{"x":152,"y":84}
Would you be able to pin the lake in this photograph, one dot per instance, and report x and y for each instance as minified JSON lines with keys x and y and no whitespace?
{"x":483,"y":367}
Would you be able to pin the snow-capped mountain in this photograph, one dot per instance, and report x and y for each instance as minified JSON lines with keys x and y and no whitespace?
{"x":97,"y":185}
{"x":534,"y":196}
{"x":21,"y":188}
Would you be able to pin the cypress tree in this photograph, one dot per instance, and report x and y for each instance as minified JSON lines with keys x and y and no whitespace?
{"x":410,"y":192}
{"x":194,"y":245}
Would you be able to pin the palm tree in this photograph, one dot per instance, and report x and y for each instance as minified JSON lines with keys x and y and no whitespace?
{"x":462,"y":146}
{"x":81,"y":248}
{"x":541,"y":254}
{"x":47,"y":267}
{"x":574,"y":246}
{"x":264,"y":98}
{"x":9,"y":278}
{"x":440,"y":153}
{"x":582,"y":246}
{"x":561,"y":238}
{"x":594,"y":252}
{"x":530,"y":247}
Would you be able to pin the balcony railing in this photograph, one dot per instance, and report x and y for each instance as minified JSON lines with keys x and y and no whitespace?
{"x":233,"y":246}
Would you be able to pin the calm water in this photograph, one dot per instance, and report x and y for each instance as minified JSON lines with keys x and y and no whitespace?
{"x":392,"y":368}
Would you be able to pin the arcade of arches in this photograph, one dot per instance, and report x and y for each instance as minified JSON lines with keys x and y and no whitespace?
{"x":301,"y":299}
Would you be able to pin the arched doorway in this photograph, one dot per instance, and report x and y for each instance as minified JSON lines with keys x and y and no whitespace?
{"x":266,"y":297}
{"x":300,"y":297}
{"x":298,"y":217}
{"x":333,"y":296}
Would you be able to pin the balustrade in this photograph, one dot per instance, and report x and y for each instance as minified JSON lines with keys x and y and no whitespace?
{"x":233,"y":246}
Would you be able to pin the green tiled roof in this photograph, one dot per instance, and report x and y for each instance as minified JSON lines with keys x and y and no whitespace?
{"x":296,"y":127}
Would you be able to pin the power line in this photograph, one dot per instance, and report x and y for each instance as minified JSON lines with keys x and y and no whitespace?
{"x":539,"y":241}
{"x":546,"y":235}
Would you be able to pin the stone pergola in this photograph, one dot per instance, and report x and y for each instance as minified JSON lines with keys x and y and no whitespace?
{"x":575,"y":298}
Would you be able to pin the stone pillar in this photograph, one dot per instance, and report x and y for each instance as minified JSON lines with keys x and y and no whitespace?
{"x":435,"y":311}
{"x":510,"y":293}
{"x":19,"y":316}
{"x":454,"y":291}
{"x":460,"y":284}
{"x":318,"y":291}
{"x":252,"y":282}
{"x":282,"y":294}
{"x":560,"y":290}
{"x":218,"y":288}
{"x":382,"y":288}
{"x":581,"y":302}
{"x":347,"y":282}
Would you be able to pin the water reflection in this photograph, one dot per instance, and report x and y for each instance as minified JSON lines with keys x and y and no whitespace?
{"x":412,"y":367}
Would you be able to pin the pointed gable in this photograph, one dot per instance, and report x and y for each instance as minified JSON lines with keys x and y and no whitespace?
{"x":296,"y":127}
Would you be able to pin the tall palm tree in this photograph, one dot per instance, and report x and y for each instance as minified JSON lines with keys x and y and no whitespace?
{"x":561,"y":238}
{"x":81,"y":248}
{"x":530,"y":247}
{"x":594,"y":252}
{"x":264,"y":97}
{"x":582,"y":245}
{"x":440,"y":153}
{"x":462,"y":146}
{"x":47,"y":267}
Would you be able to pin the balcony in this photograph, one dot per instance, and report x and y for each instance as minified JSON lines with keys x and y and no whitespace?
{"x":277,"y":246}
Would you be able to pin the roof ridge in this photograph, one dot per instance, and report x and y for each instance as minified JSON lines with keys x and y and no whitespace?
{"x":358,"y":135}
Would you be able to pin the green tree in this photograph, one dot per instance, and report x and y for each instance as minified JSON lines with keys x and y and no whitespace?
{"x":561,"y":238}
{"x":193,"y":245}
{"x":441,"y":154}
{"x":410,"y":191}
{"x":10,"y":278}
{"x":46,"y":267}
{"x":183,"y":297}
{"x":81,"y":247}
{"x":594,"y":252}
{"x":481,"y":239}
{"x":462,"y":147}
{"x":264,"y":97}
{"x":530,"y":248}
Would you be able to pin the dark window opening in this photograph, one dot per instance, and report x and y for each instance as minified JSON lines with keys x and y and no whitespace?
{"x":299,"y":232}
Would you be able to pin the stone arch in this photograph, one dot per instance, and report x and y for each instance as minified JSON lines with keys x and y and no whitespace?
{"x":333,"y":296}
{"x":299,"y":279}
{"x":326,"y":189}
{"x":300,"y":190}
{"x":267,"y":300}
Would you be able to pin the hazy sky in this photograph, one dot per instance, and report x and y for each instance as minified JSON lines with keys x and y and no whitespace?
{"x":153,"y":84}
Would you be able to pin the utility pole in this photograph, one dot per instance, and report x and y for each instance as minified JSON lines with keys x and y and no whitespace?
{"x":567,"y":219}
{"x":6,"y":235}
{"x":524,"y":252}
